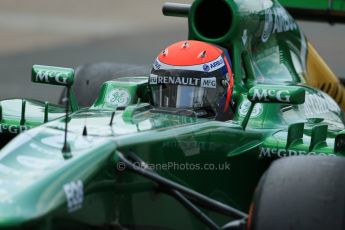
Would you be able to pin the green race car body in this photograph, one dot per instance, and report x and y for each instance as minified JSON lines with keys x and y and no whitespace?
{"x":279,"y":113}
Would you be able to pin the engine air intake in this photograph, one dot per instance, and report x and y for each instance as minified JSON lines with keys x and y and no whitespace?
{"x":213,"y":19}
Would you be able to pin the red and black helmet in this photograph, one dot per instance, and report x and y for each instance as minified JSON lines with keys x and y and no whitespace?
{"x":193,"y":75}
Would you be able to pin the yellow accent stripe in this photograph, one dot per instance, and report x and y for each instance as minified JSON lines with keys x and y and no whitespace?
{"x":320,"y":76}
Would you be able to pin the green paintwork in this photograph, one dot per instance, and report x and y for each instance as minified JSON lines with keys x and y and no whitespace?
{"x":55,"y":76}
{"x":41,"y":189}
{"x":277,"y":94}
{"x":19,"y":115}
{"x":132,"y":111}
{"x":315,"y":4}
{"x":125,"y":91}
{"x":52,"y":75}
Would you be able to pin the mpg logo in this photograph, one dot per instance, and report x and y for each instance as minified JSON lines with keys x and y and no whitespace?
{"x":208,"y":82}
{"x":49,"y":76}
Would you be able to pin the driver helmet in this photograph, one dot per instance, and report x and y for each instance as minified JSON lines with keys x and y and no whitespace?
{"x":194,"y":76}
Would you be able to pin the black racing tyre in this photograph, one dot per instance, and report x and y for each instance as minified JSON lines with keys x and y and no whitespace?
{"x":89,"y":78}
{"x":305,"y":192}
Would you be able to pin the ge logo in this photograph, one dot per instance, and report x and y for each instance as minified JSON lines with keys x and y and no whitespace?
{"x":244,"y":107}
{"x":119,"y":97}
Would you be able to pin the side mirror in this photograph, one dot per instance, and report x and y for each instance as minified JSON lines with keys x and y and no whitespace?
{"x":293,"y":95}
{"x":56,"y":76}
{"x":52,"y":75}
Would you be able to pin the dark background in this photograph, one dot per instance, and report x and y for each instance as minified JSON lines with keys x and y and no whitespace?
{"x":73,"y":32}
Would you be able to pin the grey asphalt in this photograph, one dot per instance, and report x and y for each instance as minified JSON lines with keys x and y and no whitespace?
{"x":136,"y":36}
{"x":141,"y":49}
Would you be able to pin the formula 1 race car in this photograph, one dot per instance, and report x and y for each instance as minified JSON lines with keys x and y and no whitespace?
{"x":119,"y":152}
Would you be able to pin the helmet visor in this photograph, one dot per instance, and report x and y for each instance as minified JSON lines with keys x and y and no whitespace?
{"x":181,"y":89}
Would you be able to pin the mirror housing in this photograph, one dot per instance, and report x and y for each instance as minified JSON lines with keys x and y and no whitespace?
{"x":52,"y":75}
{"x":293,"y":95}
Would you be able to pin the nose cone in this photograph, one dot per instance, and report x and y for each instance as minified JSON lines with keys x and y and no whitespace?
{"x":15,"y":216}
{"x":24,"y":207}
{"x":34,"y":176}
